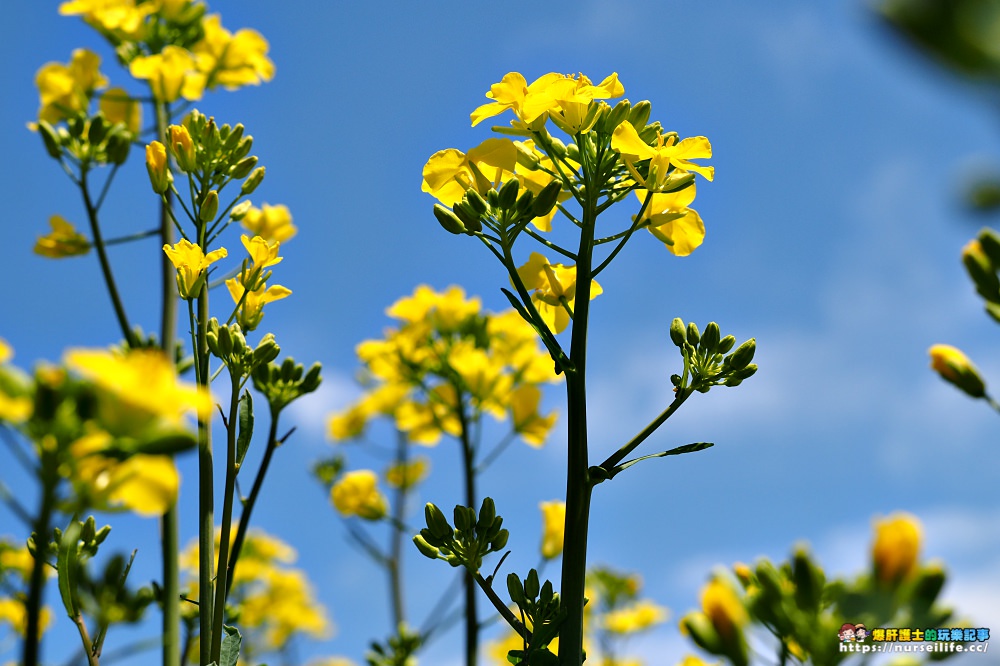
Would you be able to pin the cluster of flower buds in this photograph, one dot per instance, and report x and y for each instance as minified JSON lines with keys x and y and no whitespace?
{"x":281,"y":384}
{"x":510,"y":207}
{"x":87,"y":140}
{"x":228,"y":343}
{"x":707,"y":361}
{"x":540,"y":605}
{"x":466,"y":543}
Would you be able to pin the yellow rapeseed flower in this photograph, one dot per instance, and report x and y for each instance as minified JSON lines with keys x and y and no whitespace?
{"x":252,"y":310}
{"x":12,"y":612}
{"x":896,"y":548}
{"x":450,"y":172}
{"x":121,"y":18}
{"x":262,"y":252}
{"x":532,"y":426}
{"x":356,"y":494}
{"x":724,"y":608}
{"x":671,"y":220}
{"x":63,"y":241}
{"x":667,"y":152}
{"x":554,"y":288}
{"x":65,"y":90}
{"x":191,"y":263}
{"x":552,"y":92}
{"x":272,"y":223}
{"x":408,"y":474}
{"x":635,"y":617}
{"x":553,"y":524}
{"x":229,"y":60}
{"x":171,"y":74}
{"x":119,"y":107}
{"x":955,"y":368}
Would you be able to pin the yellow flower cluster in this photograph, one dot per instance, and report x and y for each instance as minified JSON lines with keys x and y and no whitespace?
{"x":896,"y":550}
{"x":274,"y":601}
{"x":356,"y":494}
{"x":16,"y":563}
{"x":446,"y":356}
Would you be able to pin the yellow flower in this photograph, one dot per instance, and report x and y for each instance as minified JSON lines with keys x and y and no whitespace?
{"x":158,"y":167}
{"x":138,"y":387}
{"x":896,"y":548}
{"x":482,"y":377}
{"x":512,"y":339}
{"x":182,"y":146}
{"x":724,"y":608}
{"x":171,"y":73}
{"x":118,"y":107}
{"x":357,"y":494}
{"x":191,"y":263}
{"x":252,"y":310}
{"x":145,"y":484}
{"x":63,"y":241}
{"x":635,"y":617}
{"x":551,"y":92}
{"x":120,"y":18}
{"x":446,"y":311}
{"x":555,"y":290}
{"x":230,"y":60}
{"x":672,"y":222}
{"x":450,"y":172}
{"x":272,"y":223}
{"x":6,"y":352}
{"x":12,"y":612}
{"x":532,"y":426}
{"x":424,"y":423}
{"x":553,"y":524}
{"x":408,"y":474}
{"x":667,"y":152}
{"x":536,"y":180}
{"x":955,"y":368}
{"x":261,"y":251}
{"x":65,"y":90}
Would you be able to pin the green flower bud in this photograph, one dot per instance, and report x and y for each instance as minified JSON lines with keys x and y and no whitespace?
{"x":930,"y":581}
{"x":558,"y":147}
{"x":117,"y":148}
{"x":507,"y":195}
{"x":463,"y":520}
{"x":990,"y":242}
{"x":240,"y":210}
{"x":693,"y":335}
{"x":516,"y":590}
{"x":98,"y":130}
{"x":436,"y":522}
{"x":225,"y":342}
{"x":243,"y":167}
{"x":240,"y":347}
{"x":546,"y":199}
{"x":710,"y":338}
{"x":476,"y":201}
{"x":499,"y":541}
{"x":615,"y":116}
{"x":955,"y":367}
{"x":726,"y":343}
{"x":638,"y":115}
{"x":573,"y":152}
{"x":741,"y":358}
{"x":447,"y":219}
{"x":312,"y":379}
{"x":425,"y":548}
{"x":242,"y":149}
{"x":465,"y":212}
{"x":209,"y":207}
{"x":532,"y":585}
{"x":487,"y":514}
{"x":492,"y":198}
{"x":50,"y":139}
{"x":233,"y":138}
{"x":523,"y":205}
{"x":251,"y":183}
{"x":267,"y":350}
{"x":809,"y":581}
{"x":981,"y":271}
{"x":678,"y":333}
{"x":526,"y":158}
{"x":699,"y":627}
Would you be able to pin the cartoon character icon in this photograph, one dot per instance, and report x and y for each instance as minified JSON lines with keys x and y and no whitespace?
{"x":860,"y":632}
{"x":846,"y":633}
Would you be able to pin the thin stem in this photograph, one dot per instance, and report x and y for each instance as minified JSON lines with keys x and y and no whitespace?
{"x":549,"y":244}
{"x":469,"y":470}
{"x":106,"y":187}
{"x":495,"y":453}
{"x":88,"y":647}
{"x":619,"y":455}
{"x":102,"y":256}
{"x":395,"y":562}
{"x":36,"y":583}
{"x":501,"y":607}
{"x":251,"y":501}
{"x":206,"y":490}
{"x":628,"y":234}
{"x":118,"y":240}
{"x":227,"y":519}
{"x":434,"y":622}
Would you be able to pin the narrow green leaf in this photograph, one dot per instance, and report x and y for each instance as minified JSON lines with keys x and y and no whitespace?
{"x":230,"y":646}
{"x":687,"y":448}
{"x":246,"y":427}
{"x":66,"y":563}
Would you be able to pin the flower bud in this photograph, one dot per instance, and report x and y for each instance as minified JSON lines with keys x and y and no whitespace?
{"x":183,"y":148}
{"x":710,"y":338}
{"x":267,"y":350}
{"x":638,"y":115}
{"x":507,"y":195}
{"x":989,"y":241}
{"x":243,"y":167}
{"x":896,"y":548}
{"x":693,"y":335}
{"x":726,"y":343}
{"x":436,"y":522}
{"x":312,"y":379}
{"x":425,"y":548}
{"x":242,"y":149}
{"x":117,"y":148}
{"x":523,"y":205}
{"x":476,"y":201}
{"x":225,"y":342}
{"x":240,"y":210}
{"x":516,"y":589}
{"x":677,"y":332}
{"x":251,"y":183}
{"x":98,"y":130}
{"x":955,"y":368}
{"x":50,"y":139}
{"x":546,"y":199}
{"x":463,"y":519}
{"x":499,"y":541}
{"x":526,"y":157}
{"x":156,"y":164}
{"x":209,"y":207}
{"x":741,"y":358}
{"x":233,"y":139}
{"x":615,"y":116}
{"x":487,"y":514}
{"x":467,"y":215}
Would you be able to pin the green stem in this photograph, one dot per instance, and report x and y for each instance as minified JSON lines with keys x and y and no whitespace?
{"x":578,"y":486}
{"x":206,"y":490}
{"x":469,"y":469}
{"x":619,"y":455}
{"x":227,"y":519}
{"x":258,"y":482}
{"x":396,"y":546}
{"x":88,"y":647}
{"x":102,"y":257}
{"x":36,"y":583}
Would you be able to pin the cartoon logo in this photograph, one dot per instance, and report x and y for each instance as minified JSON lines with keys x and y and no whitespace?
{"x":847,"y":634}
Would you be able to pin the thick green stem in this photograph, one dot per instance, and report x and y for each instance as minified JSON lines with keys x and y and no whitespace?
{"x":169,"y":523}
{"x":578,"y":486}
{"x":471,"y":616}
{"x":206,"y":493}
{"x":36,"y":583}
{"x":395,"y":562}
{"x":227,"y":520}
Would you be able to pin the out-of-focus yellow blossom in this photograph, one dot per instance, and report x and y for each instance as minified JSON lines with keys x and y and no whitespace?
{"x":17,"y":558}
{"x":551,"y":93}
{"x":123,"y":19}
{"x":12,"y":612}
{"x":6,"y":352}
{"x":667,"y":152}
{"x":331,"y":661}
{"x":424,"y":423}
{"x":955,"y":368}
{"x":635,"y":617}
{"x":356,"y":494}
{"x":447,"y":310}
{"x":896,"y":548}
{"x":13,"y":409}
{"x":408,"y":474}
{"x":671,"y":221}
{"x":145,"y":484}
{"x":554,"y":288}
{"x":512,"y":339}
{"x":532,"y":426}
{"x":692,"y":660}
{"x":724,"y":608}
{"x":252,"y":310}
{"x":65,"y":90}
{"x":262,"y":252}
{"x":118,"y":107}
{"x":272,"y":223}
{"x":450,"y":172}
{"x":171,"y":73}
{"x":63,"y":241}
{"x":191,"y":263}
{"x":229,"y":60}
{"x":137,"y":388}
{"x":382,"y":400}
{"x":553,"y":524}
{"x":482,"y":376}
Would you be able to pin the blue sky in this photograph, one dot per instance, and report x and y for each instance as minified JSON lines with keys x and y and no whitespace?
{"x":834,"y":228}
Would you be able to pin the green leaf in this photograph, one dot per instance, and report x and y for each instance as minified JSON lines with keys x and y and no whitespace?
{"x":230,"y":646}
{"x":687,"y":448}
{"x":246,"y":427}
{"x":66,"y":563}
